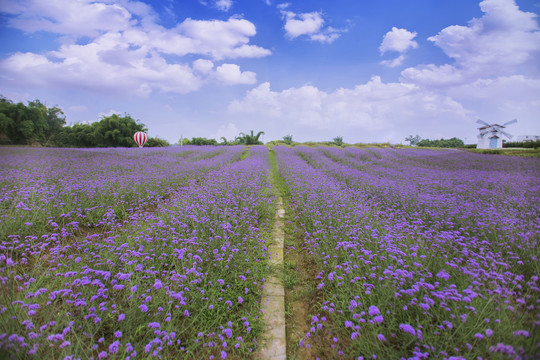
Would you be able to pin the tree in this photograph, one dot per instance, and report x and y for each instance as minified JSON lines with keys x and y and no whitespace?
{"x":202,"y":141}
{"x":413,"y":140}
{"x":156,"y":142}
{"x":338,"y":140}
{"x":442,"y":143}
{"x":31,"y":123}
{"x":116,"y":131}
{"x":287,"y":139}
{"x":249,"y":139}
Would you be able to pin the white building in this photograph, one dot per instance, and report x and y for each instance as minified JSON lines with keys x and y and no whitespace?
{"x":490,"y":135}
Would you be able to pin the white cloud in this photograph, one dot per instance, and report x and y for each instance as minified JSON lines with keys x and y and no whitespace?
{"x":203,"y":66}
{"x":231,"y":74}
{"x":394,"y":62}
{"x":399,"y":40}
{"x":371,"y":106}
{"x":222,"y":39}
{"x":224,"y":5}
{"x":124,"y":48}
{"x":81,"y":18}
{"x":493,"y":45}
{"x":308,"y":24}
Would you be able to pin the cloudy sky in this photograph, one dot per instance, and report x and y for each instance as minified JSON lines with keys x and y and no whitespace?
{"x":370,"y":71}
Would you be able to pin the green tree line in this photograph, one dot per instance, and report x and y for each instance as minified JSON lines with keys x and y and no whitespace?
{"x":36,"y":124}
{"x":241,"y":139}
{"x":442,"y":143}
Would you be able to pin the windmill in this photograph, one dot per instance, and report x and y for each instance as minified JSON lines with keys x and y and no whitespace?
{"x":490,"y":136}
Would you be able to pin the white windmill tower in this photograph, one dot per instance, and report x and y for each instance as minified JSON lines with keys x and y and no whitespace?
{"x":490,"y":136}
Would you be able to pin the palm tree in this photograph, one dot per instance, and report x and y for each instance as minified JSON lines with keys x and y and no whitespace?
{"x":251,"y":139}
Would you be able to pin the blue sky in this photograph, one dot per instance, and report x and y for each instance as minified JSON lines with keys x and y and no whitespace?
{"x":370,"y":71}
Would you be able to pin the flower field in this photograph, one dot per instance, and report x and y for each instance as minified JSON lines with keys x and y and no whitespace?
{"x":130,"y":254}
{"x":145,"y":253}
{"x":418,"y":254}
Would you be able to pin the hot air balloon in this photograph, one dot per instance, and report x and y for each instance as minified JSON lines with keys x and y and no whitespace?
{"x":140,"y":138}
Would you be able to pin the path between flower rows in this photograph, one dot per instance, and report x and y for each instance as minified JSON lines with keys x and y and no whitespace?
{"x":273,"y":297}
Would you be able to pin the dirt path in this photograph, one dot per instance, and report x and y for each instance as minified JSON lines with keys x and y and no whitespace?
{"x":273,"y":298}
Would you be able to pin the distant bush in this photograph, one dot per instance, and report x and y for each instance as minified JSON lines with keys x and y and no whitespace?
{"x":338,"y":140}
{"x":525,"y":144}
{"x":200,"y":141}
{"x":442,"y":143}
{"x":156,"y":142}
{"x":110,"y":131}
{"x":287,"y":139}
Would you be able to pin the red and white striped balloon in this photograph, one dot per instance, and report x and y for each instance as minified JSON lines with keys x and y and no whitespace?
{"x":140,"y":138}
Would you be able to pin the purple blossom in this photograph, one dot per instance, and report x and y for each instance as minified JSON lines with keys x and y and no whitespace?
{"x":373,"y":310}
{"x":113,"y":348}
{"x":408,"y":329}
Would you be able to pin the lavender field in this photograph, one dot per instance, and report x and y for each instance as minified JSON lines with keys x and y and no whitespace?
{"x":144,"y":253}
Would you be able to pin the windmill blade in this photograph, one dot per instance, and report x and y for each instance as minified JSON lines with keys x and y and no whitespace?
{"x":506,"y":134}
{"x":510,"y":122}
{"x":482,"y":122}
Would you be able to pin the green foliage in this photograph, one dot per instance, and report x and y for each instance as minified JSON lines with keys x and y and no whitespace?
{"x":27,"y":124}
{"x":34,"y":123}
{"x":338,"y":140}
{"x":524,"y":144}
{"x":442,"y":143}
{"x":200,"y":141}
{"x":413,"y":140}
{"x":287,"y":139}
{"x":249,"y":139}
{"x":110,"y":131}
{"x":156,"y":142}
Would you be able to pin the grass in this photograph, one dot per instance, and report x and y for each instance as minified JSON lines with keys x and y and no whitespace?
{"x":508,"y":151}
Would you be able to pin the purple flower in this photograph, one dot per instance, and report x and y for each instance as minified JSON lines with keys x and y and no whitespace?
{"x":521,"y":333}
{"x":228,"y":332}
{"x":443,"y":275}
{"x":381,"y":337}
{"x":121,"y":317}
{"x":348,"y":324}
{"x":118,"y":334}
{"x":407,"y":328}
{"x":154,"y":325}
{"x":113,"y":348}
{"x":240,"y":300}
{"x":102,"y":355}
{"x":489,"y":332}
{"x":143,"y":308}
{"x":158,"y":284}
{"x":223,"y":354}
{"x":373,"y":310}
{"x":479,"y":336}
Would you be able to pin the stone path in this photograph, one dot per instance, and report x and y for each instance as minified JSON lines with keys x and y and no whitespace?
{"x":273,"y":297}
